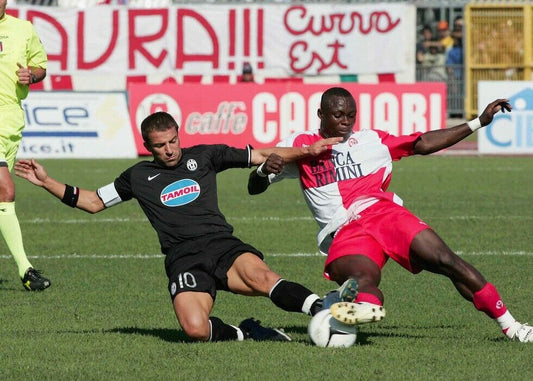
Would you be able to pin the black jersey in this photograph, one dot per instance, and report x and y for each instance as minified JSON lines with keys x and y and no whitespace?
{"x":181,"y":202}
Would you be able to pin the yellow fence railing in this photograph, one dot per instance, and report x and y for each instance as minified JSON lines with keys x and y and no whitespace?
{"x":498,"y":46}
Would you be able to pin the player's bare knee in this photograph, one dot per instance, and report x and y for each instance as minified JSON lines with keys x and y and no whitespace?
{"x":359,"y":267}
{"x":196,"y":330}
{"x":366,"y":280}
{"x":449,"y":264}
{"x":262,"y":281}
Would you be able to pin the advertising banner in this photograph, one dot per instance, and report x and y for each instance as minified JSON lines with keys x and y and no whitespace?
{"x":262,"y":115}
{"x":509,"y":133}
{"x":76,"y":125}
{"x":302,"y":39}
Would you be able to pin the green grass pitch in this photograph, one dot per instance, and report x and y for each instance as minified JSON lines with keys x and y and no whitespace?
{"x":108,"y":315}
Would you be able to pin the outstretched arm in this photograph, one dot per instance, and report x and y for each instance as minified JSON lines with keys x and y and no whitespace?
{"x":258,"y":181}
{"x":433,"y":141}
{"x":294,"y":153}
{"x":36,"y":174}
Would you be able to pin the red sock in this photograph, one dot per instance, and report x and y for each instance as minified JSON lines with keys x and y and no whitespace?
{"x":488,"y":300}
{"x":367,"y":298}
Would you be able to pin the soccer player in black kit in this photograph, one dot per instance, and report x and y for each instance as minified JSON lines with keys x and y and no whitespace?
{"x":177,"y":191}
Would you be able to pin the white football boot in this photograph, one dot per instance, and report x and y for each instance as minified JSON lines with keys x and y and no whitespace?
{"x":357,"y":313}
{"x":520,"y":332}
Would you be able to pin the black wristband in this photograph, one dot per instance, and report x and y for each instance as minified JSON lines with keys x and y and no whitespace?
{"x":71,"y":195}
{"x":33,"y":78}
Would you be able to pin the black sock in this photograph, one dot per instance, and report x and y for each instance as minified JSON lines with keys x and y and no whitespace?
{"x":221,"y":331}
{"x":290,"y":296}
{"x":316,"y":307}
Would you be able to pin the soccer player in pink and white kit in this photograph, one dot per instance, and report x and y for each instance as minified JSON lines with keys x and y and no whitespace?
{"x":362,"y":225}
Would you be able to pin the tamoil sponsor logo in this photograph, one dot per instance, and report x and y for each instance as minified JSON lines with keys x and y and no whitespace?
{"x":180,"y":193}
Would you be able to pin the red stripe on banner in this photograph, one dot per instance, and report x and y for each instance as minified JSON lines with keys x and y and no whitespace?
{"x":231,"y":33}
{"x":284,"y":80}
{"x":221,"y":79}
{"x":13,"y":12}
{"x":246,"y":32}
{"x":38,"y":86}
{"x":169,"y":80}
{"x":386,"y":77}
{"x":135,"y":79}
{"x":61,"y":82}
{"x":260,"y":31}
{"x":192,"y":78}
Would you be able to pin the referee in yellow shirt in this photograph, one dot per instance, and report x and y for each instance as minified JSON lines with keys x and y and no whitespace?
{"x":22,"y":63}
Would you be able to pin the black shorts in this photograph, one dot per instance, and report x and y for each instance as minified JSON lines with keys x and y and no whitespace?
{"x":202,"y":264}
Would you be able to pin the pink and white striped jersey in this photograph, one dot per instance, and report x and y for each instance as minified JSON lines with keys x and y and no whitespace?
{"x":349,"y":178}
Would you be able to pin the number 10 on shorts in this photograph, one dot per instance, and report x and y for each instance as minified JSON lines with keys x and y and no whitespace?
{"x":186,"y":280}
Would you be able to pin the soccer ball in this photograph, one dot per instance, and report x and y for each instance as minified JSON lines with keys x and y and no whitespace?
{"x":326,"y":331}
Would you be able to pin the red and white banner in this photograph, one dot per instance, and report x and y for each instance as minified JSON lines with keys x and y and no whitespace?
{"x":261,"y":115}
{"x":313,"y":39}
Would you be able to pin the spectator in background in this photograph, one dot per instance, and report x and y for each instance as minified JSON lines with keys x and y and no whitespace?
{"x":458,"y":24}
{"x":444,"y":35}
{"x":433,"y":65}
{"x":23,"y":62}
{"x":430,"y":58}
{"x":422,"y":47}
{"x":454,"y":56}
{"x":247,"y":73}
{"x":455,"y":69}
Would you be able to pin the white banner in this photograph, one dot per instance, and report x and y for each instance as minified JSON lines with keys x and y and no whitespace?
{"x":509,"y":133}
{"x":77,"y":125}
{"x":313,"y":39}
